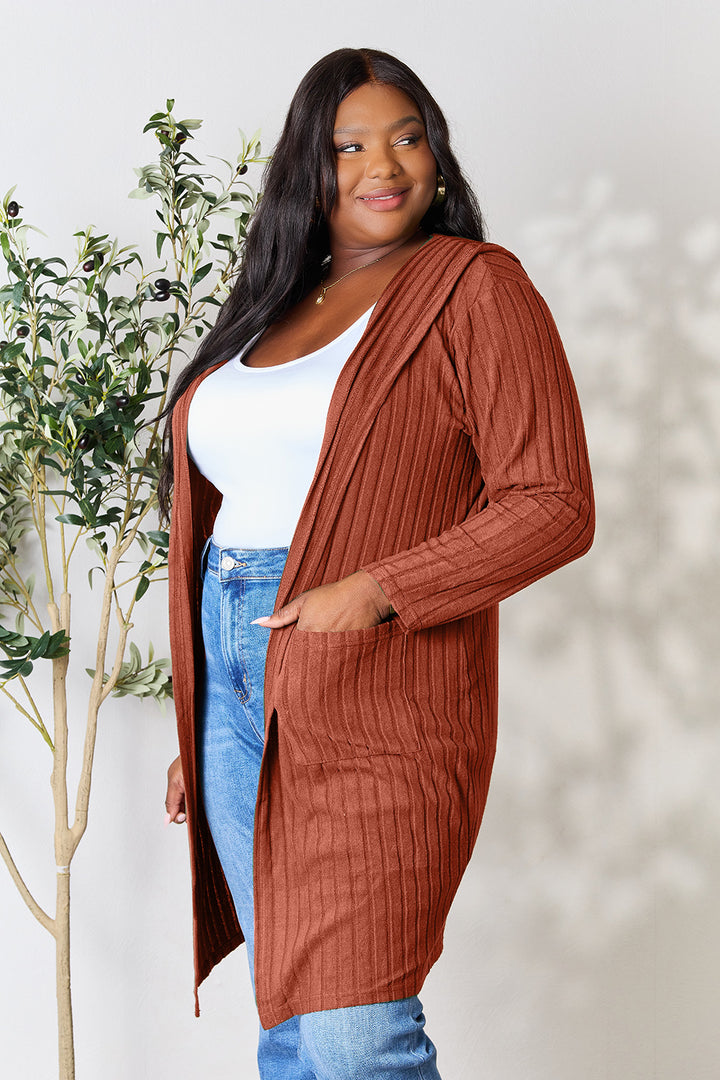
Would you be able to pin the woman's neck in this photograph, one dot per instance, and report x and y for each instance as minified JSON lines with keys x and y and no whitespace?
{"x":344,"y":260}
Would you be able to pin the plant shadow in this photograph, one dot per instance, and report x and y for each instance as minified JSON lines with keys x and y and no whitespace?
{"x":599,"y":842}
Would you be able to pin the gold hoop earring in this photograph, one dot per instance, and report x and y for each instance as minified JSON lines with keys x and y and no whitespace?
{"x":440,"y":191}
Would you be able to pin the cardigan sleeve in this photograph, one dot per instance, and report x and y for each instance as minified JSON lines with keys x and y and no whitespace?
{"x":535,"y":510}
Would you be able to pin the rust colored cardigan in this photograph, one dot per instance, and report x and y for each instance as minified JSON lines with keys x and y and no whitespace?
{"x":454,"y":470}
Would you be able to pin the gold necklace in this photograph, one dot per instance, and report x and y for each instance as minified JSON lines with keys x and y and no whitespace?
{"x":324,"y":288}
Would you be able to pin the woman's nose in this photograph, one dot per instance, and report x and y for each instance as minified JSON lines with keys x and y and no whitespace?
{"x":382,"y":162}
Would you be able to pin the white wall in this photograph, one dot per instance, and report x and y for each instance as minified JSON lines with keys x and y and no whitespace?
{"x":584,"y":941}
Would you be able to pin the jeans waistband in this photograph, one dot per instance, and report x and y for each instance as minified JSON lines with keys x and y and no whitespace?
{"x":227,"y":563}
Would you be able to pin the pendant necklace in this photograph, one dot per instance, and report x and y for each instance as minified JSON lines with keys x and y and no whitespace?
{"x":324,"y":288}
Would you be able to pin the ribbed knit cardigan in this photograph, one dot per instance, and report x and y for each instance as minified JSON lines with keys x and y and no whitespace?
{"x":454,"y":470}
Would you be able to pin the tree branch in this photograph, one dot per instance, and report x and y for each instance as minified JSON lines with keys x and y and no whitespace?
{"x":14,"y":575}
{"x":42,"y":916}
{"x":63,"y":846}
{"x":40,"y":722}
{"x":82,"y":800}
{"x":112,"y":679}
{"x":21,"y":709}
{"x":38,"y":511}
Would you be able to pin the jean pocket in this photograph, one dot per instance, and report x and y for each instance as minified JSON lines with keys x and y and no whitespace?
{"x":343,"y":695}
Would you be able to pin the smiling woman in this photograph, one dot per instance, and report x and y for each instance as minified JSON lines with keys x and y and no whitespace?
{"x":385,"y":183}
{"x":386,"y":174}
{"x":378,"y":441}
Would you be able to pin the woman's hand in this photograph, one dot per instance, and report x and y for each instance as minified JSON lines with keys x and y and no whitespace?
{"x":353,"y":603}
{"x":175,"y":798}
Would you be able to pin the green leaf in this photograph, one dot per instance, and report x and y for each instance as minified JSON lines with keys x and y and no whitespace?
{"x":91,"y":571}
{"x":21,"y":651}
{"x":70,"y":519}
{"x":18,"y":293}
{"x":15,"y":668}
{"x":142,"y":680}
{"x":38,"y":649}
{"x":201,"y":273}
{"x":159,"y":538}
{"x":143,"y":586}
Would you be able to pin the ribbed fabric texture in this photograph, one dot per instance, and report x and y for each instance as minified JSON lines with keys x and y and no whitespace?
{"x":454,"y":470}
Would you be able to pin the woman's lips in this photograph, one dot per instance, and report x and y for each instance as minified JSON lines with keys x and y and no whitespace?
{"x":384,"y":198}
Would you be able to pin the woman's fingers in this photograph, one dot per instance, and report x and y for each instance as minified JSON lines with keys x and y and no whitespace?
{"x":349,"y":604}
{"x":353,"y":603}
{"x":175,"y":797}
{"x":283,"y":617}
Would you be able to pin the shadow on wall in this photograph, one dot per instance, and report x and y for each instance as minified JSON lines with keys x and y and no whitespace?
{"x":604,"y":813}
{"x":640,"y":314}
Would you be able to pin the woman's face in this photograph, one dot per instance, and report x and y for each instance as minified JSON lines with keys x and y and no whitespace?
{"x":386,"y":173}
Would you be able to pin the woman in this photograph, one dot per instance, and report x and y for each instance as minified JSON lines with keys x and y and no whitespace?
{"x":382,"y":445}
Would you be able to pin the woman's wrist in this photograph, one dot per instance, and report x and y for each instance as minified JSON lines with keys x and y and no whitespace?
{"x":385,"y":608}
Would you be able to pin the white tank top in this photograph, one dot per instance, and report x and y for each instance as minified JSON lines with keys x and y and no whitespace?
{"x":256,"y":433}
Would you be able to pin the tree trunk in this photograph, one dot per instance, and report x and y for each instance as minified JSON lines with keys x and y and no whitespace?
{"x":64,"y":848}
{"x":66,"y":1048}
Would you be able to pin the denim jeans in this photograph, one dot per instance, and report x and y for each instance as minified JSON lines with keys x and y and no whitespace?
{"x":385,"y":1041}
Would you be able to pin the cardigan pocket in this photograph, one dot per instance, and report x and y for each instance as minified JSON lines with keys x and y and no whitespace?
{"x":343,"y":694}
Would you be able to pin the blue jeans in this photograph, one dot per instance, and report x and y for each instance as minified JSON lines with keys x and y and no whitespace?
{"x":385,"y":1041}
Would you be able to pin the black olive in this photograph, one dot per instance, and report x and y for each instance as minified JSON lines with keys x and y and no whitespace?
{"x":80,"y":378}
{"x":242,"y":170}
{"x":84,"y":441}
{"x":22,"y":330}
{"x":94,"y":263}
{"x":162,"y":285}
{"x":3,"y":343}
{"x":122,"y":400}
{"x":161,"y":296}
{"x":13,"y":209}
{"x":180,"y":138}
{"x":162,"y":131}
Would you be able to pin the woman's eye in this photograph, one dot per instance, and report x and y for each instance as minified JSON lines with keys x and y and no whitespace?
{"x":355,"y":147}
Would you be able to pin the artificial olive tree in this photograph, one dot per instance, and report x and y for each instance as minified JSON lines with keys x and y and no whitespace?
{"x":85,"y":361}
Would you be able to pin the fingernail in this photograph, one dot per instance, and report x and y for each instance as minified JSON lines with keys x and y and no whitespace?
{"x":261,"y":621}
{"x":168,"y":819}
{"x":180,"y":818}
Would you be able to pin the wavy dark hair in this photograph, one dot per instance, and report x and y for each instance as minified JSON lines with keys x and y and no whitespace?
{"x":288,"y":240}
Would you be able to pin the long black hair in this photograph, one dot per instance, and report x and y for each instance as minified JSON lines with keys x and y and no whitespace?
{"x":288,"y":237}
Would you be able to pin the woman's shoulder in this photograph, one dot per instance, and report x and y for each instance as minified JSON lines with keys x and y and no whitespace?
{"x":484,"y":261}
{"x":482,"y":272}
